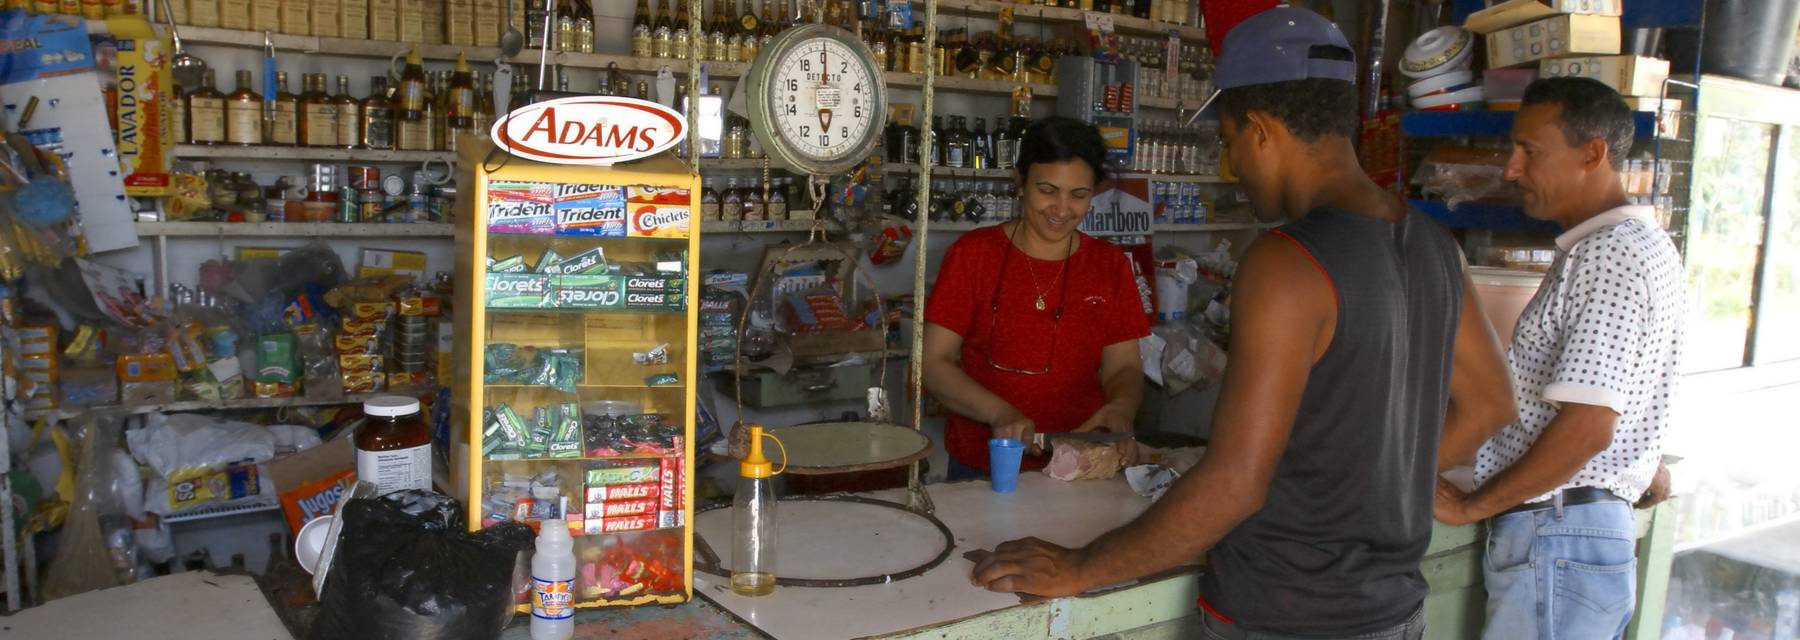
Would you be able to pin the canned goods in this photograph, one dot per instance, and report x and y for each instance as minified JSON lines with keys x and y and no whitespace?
{"x":348,"y":209}
{"x":323,"y":178}
{"x":364,"y":177}
{"x":393,"y":185}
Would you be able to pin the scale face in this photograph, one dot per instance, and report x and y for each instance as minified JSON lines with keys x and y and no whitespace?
{"x":817,"y":100}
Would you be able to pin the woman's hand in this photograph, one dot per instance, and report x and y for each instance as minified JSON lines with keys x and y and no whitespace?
{"x":1012,"y":424}
{"x":1114,"y":419}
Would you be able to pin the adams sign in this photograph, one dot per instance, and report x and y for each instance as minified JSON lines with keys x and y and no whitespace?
{"x":591,"y":130}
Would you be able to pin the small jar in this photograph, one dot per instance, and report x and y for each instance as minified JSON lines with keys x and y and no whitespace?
{"x":393,"y":445}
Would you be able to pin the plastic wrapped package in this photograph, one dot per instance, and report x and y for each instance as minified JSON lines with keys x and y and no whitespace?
{"x":199,"y":461}
{"x":97,"y":549}
{"x":405,"y":568}
{"x":320,"y":375}
{"x":1462,"y":174}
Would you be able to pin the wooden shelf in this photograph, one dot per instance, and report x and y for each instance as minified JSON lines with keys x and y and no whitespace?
{"x":1170,"y":104}
{"x":314,"y":154}
{"x":292,"y":230}
{"x":762,"y":226}
{"x":954,"y":84}
{"x":228,"y":405}
{"x":389,"y":49}
{"x":1176,"y":177}
{"x":738,"y":164}
{"x":947,"y":172}
{"x":1055,"y":15}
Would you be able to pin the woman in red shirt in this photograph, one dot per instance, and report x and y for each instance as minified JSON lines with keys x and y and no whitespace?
{"x":1032,"y":326}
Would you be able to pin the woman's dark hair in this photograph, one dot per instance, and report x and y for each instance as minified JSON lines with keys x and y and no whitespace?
{"x":1056,"y":139}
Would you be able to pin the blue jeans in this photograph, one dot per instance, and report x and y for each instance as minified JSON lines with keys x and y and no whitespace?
{"x":1412,"y":629}
{"x":1561,"y":576}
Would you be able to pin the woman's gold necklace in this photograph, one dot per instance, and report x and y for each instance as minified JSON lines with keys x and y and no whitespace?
{"x":1044,"y":291}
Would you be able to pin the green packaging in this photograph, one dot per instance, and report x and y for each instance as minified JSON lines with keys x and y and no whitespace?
{"x":548,"y":261}
{"x":589,"y":262}
{"x":275,"y":363}
{"x":515,"y":264}
{"x":513,"y":430}
{"x":520,"y":291}
{"x":662,"y":380}
{"x":588,"y":292}
{"x":625,"y":474}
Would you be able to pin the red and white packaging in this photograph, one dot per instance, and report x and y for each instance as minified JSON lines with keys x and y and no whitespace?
{"x":617,"y":492}
{"x":594,"y":527}
{"x":597,"y":510}
{"x":673,"y":501}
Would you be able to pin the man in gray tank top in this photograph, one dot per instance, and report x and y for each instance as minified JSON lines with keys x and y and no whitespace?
{"x":1356,"y":337}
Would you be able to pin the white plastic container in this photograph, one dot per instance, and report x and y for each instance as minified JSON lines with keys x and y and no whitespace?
{"x":553,"y":583}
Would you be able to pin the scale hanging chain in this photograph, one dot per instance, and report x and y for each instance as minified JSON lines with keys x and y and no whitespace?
{"x":818,"y":185}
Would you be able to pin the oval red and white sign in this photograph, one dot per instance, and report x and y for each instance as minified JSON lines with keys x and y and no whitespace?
{"x":596,"y":130}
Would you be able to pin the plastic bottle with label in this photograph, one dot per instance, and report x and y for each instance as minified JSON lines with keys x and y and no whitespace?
{"x":553,"y":583}
{"x":393,"y":447}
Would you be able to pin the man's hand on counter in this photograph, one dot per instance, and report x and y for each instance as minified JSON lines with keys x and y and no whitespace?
{"x":1452,"y":505}
{"x":1032,"y":566}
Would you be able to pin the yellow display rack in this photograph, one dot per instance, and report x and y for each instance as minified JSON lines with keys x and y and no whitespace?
{"x":607,"y":337}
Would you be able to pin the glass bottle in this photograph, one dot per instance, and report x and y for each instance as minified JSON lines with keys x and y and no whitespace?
{"x":753,"y":522}
{"x":178,"y":130}
{"x":378,"y":115}
{"x":412,"y":114}
{"x":439,"y":110}
{"x":565,"y":39}
{"x":682,"y":40}
{"x":349,"y":115}
{"x":663,"y":35}
{"x":770,"y":26}
{"x":206,"y":113}
{"x":750,"y":32}
{"x":393,"y":447}
{"x":1006,"y":147}
{"x":731,"y":202}
{"x":718,"y":43}
{"x":754,"y":203}
{"x":534,"y":25}
{"x":484,"y":104}
{"x":956,"y":144}
{"x":318,"y":114}
{"x":584,"y":26}
{"x":460,"y":104}
{"x":643,"y":90}
{"x":244,"y":112}
{"x":709,"y":201}
{"x":642,"y":34}
{"x":283,"y":127}
{"x":938,"y":145}
{"x":777,"y":205}
{"x":981,"y":147}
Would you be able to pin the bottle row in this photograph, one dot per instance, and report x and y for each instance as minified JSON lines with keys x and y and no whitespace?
{"x":321,"y":196}
{"x":957,"y":200}
{"x":751,"y":199}
{"x":423,"y":112}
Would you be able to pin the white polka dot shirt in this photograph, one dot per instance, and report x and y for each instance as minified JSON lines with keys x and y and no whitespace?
{"x":1604,"y":329}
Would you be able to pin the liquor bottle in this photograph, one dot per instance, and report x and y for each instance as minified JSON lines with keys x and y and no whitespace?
{"x":244,"y":112}
{"x":682,"y":40}
{"x":717,"y":42}
{"x":771,"y":25}
{"x":439,"y":110}
{"x":754,"y":208}
{"x":777,"y":203}
{"x":981,"y":148}
{"x":349,"y":115}
{"x":709,"y":201}
{"x":484,"y":104}
{"x":749,"y":32}
{"x":318,"y":114}
{"x":939,"y":146}
{"x":664,"y":33}
{"x":956,"y":144}
{"x":378,"y":115}
{"x":206,"y":113}
{"x":642,"y":34}
{"x":731,"y":202}
{"x":534,"y":24}
{"x":412,"y":122}
{"x":566,"y":39}
{"x":734,"y":34}
{"x":643,"y":90}
{"x":459,"y":116}
{"x":283,"y":129}
{"x":178,"y":130}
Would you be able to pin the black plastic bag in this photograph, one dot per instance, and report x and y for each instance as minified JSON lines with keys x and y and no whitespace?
{"x":406,"y":569}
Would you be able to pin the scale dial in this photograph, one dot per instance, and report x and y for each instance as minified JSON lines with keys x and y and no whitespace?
{"x":817,"y":100}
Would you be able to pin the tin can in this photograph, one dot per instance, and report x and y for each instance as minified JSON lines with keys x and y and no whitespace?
{"x":372,"y":206}
{"x":362,"y":176}
{"x":393,"y":185}
{"x":348,"y":209}
{"x":322,"y":178}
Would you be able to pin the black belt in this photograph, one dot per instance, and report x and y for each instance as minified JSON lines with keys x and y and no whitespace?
{"x":1570,"y":497}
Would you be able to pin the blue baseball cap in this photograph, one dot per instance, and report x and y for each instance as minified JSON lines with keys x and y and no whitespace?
{"x":1279,"y":45}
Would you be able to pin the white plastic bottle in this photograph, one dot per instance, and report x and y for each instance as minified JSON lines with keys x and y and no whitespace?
{"x":553,"y":583}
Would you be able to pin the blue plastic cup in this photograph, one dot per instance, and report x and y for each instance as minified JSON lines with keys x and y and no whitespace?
{"x":1004,"y":455}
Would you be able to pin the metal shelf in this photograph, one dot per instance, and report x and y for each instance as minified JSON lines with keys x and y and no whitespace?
{"x":949,"y":172}
{"x":292,"y":230}
{"x":316,"y":154}
{"x":440,"y":52}
{"x":260,"y":505}
{"x":955,"y":84}
{"x":762,"y":226}
{"x":1476,"y":215}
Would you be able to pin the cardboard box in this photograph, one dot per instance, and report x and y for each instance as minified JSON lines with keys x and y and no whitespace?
{"x":144,"y":104}
{"x":412,"y":21}
{"x":1668,"y":118}
{"x":487,"y":21}
{"x":1629,"y":75}
{"x":459,"y":22}
{"x":265,"y":15}
{"x":383,"y":262}
{"x":310,"y":482}
{"x":203,"y":13}
{"x":296,"y":17}
{"x":233,"y":14}
{"x":353,"y":19}
{"x":1554,"y":37}
{"x":384,"y":19}
{"x":325,"y":18}
{"x":1512,"y":13}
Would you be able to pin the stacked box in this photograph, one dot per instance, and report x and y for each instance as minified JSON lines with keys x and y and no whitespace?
{"x":1554,"y":37}
{"x":621,"y":498}
{"x":353,"y":19}
{"x":589,"y":210}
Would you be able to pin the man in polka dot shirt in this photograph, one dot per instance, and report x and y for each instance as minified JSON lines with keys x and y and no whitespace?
{"x":1593,"y":367}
